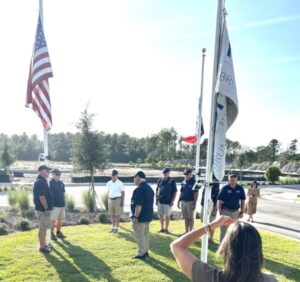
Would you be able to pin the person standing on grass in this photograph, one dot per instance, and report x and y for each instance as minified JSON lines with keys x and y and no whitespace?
{"x":215,"y":190}
{"x":251,"y":204}
{"x":58,"y":214}
{"x":43,"y":204}
{"x":241,"y":248}
{"x":165,"y":196}
{"x":188,"y":199}
{"x":116,"y":196}
{"x":142,"y":214}
{"x":231,"y":201}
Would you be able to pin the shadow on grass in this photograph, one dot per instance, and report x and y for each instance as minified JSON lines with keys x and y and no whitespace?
{"x":66,"y":270}
{"x":160,"y":243}
{"x":165,"y":269}
{"x":288,"y":272}
{"x":86,"y":262}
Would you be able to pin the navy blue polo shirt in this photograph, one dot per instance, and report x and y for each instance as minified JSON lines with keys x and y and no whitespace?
{"x":41,"y":188}
{"x":143,"y":196}
{"x":231,"y":197}
{"x":187,"y":194}
{"x":58,"y":191}
{"x":166,"y":188}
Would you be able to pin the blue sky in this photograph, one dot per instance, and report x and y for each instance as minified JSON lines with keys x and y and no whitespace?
{"x":138,"y":64}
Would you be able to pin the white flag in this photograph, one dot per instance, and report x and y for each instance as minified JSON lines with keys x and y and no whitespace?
{"x":227,"y":103}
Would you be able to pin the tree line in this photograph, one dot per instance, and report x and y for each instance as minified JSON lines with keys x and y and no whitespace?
{"x":166,"y":145}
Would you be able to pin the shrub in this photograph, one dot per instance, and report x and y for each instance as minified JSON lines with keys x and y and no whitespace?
{"x":104,"y":200}
{"x":23,"y":200}
{"x":5,"y":189}
{"x":88,"y":201}
{"x":26,"y":187}
{"x":272,"y":174}
{"x":102,"y":218}
{"x":23,"y":224}
{"x":84,"y":220}
{"x":27,"y":213}
{"x":160,"y":164}
{"x":289,"y":180}
{"x":2,"y":216}
{"x":12,"y":197}
{"x":0,"y":189}
{"x":2,"y":229}
{"x":70,"y":203}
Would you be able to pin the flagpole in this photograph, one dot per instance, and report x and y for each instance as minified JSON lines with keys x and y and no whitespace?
{"x":209,"y":159}
{"x":48,"y":231}
{"x":41,"y":11}
{"x":197,"y":163}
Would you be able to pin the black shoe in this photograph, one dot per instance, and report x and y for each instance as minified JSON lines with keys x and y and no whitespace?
{"x":53,"y":237}
{"x":45,"y":250}
{"x":140,"y":257}
{"x":147,"y":255}
{"x":161,"y":231}
{"x":60,"y":235}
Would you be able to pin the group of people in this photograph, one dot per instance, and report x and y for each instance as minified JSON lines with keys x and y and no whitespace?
{"x":49,"y":202}
{"x":241,"y":245}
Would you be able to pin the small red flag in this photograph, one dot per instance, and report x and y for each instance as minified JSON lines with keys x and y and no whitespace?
{"x":190,"y":139}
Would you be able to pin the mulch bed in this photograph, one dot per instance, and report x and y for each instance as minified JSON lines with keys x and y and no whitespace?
{"x":12,"y":216}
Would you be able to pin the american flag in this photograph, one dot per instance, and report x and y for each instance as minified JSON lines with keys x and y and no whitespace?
{"x":38,"y":87}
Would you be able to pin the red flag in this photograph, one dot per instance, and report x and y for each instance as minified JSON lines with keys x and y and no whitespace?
{"x":193,"y":139}
{"x":190,"y":139}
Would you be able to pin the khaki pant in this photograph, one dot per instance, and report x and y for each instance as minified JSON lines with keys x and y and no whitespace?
{"x":232,"y":214}
{"x":44,"y":221}
{"x":163,"y":209}
{"x":114,"y":207}
{"x":58,"y":213}
{"x":188,"y":210}
{"x":141,"y":232}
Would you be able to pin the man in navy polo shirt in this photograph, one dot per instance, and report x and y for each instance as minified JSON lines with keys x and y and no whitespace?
{"x":58,"y":214}
{"x":188,"y":199}
{"x":165,"y":196}
{"x":142,"y":213}
{"x":231,"y":201}
{"x":43,"y":204}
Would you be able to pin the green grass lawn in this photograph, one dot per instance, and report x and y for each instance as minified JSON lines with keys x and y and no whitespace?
{"x":90,"y":253}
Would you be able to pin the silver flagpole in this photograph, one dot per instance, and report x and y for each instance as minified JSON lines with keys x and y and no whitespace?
{"x":45,"y":130}
{"x":197,"y":163}
{"x":209,"y":162}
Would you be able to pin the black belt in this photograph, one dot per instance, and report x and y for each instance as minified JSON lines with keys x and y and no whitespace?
{"x":231,"y":210}
{"x":115,"y":198}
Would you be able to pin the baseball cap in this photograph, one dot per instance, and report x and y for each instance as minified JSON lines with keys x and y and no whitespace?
{"x":187,"y":171}
{"x":114,"y":172}
{"x":140,"y":174}
{"x":166,"y":170}
{"x":232,"y":174}
{"x":43,"y":167}
{"x":56,"y":171}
